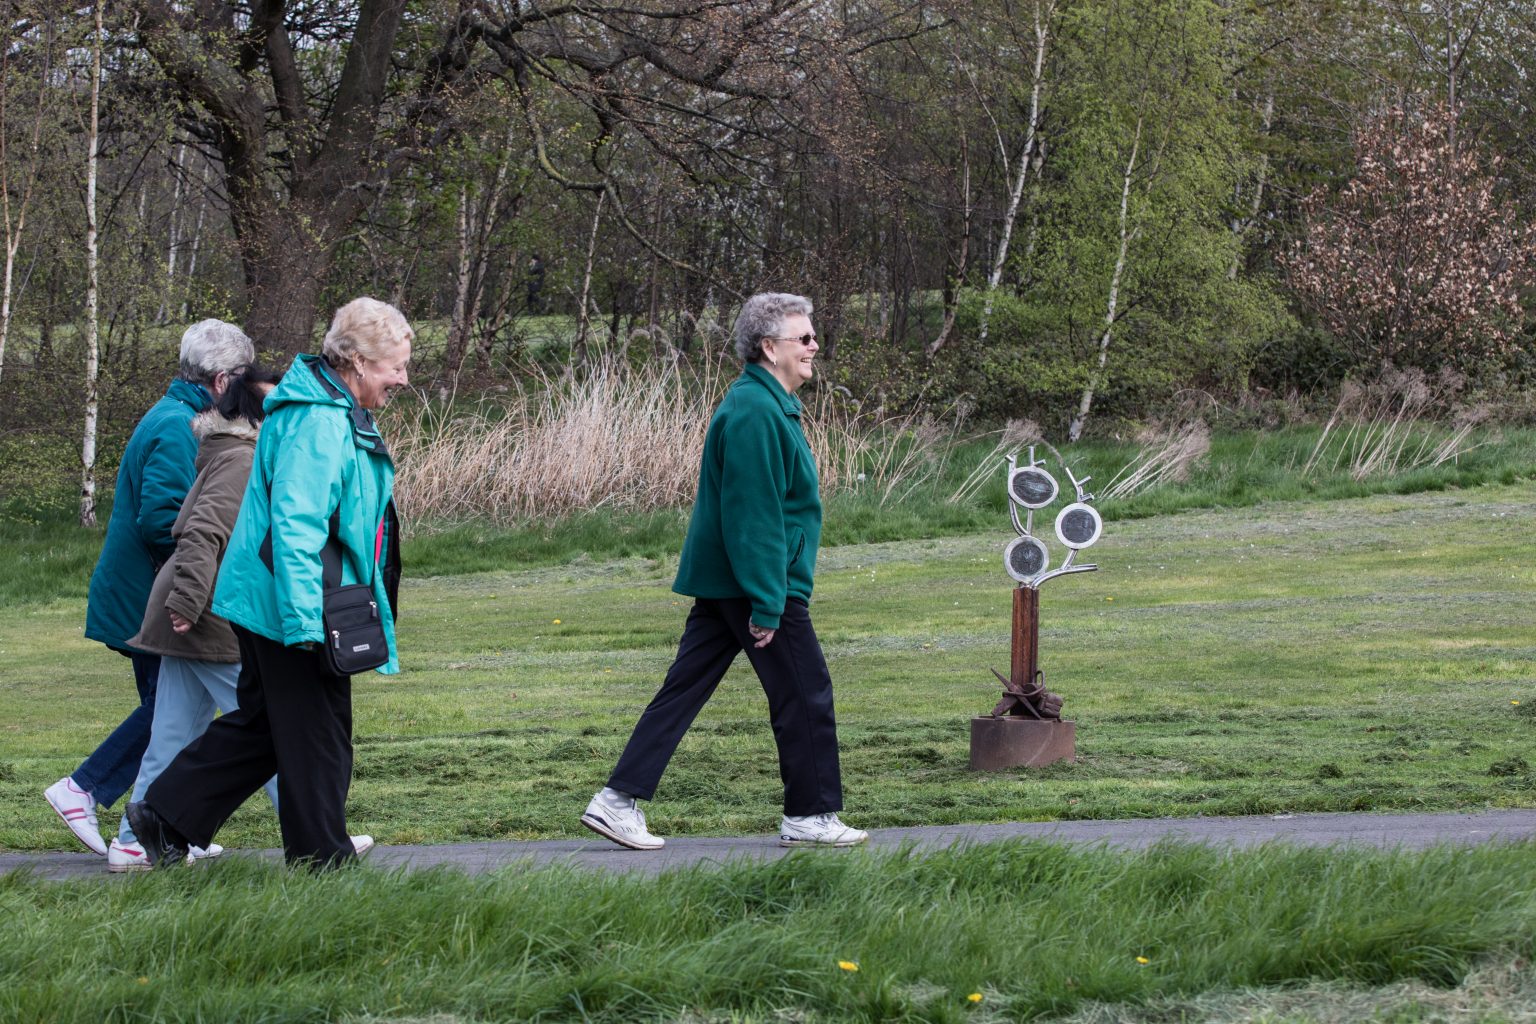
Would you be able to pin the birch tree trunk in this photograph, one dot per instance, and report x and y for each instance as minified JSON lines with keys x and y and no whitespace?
{"x":14,"y":230}
{"x":174,"y":241}
{"x":1096,"y":378}
{"x":197,"y":232}
{"x":585,"y":323}
{"x":1242,"y":225}
{"x":88,"y":445}
{"x":965,"y":251}
{"x":458,"y":324}
{"x":1027,"y":154}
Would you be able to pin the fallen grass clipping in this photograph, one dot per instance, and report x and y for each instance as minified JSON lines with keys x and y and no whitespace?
{"x":1004,"y":932}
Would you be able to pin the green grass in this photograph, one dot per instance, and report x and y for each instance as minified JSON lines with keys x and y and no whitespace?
{"x":1034,"y":930}
{"x":1360,"y":654}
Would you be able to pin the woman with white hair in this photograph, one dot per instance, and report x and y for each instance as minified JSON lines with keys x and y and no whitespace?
{"x":317,"y":514}
{"x":158,"y":467}
{"x":748,"y":560}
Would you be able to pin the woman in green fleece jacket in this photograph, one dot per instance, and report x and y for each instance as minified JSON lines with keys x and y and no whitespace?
{"x":749,"y":560}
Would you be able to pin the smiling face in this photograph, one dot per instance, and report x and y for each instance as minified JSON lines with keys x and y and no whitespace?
{"x":787,"y":357}
{"x":374,"y":381}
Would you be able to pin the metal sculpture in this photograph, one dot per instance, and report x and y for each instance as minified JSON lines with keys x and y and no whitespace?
{"x":1028,"y":561}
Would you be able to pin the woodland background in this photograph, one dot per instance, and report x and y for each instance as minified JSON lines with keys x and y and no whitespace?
{"x":1087,"y":214}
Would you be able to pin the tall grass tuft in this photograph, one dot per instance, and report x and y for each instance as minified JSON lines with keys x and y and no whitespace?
{"x":1015,"y":435}
{"x":625,"y":439}
{"x":614,"y":438}
{"x":1384,"y":426}
{"x":1166,"y":455}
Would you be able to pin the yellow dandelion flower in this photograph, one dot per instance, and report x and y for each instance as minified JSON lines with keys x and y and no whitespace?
{"x":848,"y":965}
{"x":974,"y":997}
{"x":1109,"y":599}
{"x":143,"y":981}
{"x":1143,"y":960}
{"x":557,"y":622}
{"x":1514,"y":702}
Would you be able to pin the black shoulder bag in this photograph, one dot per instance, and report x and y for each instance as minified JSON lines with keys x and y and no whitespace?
{"x":354,"y":630}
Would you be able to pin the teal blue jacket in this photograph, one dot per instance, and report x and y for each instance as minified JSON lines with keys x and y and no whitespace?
{"x":319,"y":453}
{"x":757,"y":519}
{"x":158,"y":468}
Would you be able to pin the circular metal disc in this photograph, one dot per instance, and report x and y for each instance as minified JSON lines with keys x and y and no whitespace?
{"x":1079,"y":525}
{"x":1025,"y":558}
{"x":1032,"y":487}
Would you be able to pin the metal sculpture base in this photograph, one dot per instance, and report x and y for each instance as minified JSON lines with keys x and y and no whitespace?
{"x":1014,"y":742}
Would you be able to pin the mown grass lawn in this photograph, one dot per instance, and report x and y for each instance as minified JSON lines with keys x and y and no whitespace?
{"x":1366,"y":654}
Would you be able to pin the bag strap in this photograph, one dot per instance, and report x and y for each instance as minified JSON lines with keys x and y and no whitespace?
{"x":330,"y":554}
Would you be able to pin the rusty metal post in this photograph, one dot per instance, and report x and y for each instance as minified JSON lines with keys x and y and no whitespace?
{"x":1026,"y":636}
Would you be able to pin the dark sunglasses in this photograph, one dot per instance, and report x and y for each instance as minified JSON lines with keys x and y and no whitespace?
{"x":804,"y":339}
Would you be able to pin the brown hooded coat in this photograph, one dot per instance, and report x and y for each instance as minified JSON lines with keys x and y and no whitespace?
{"x":185,"y":583}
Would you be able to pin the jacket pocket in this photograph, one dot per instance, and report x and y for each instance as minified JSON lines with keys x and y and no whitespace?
{"x":797,"y":545}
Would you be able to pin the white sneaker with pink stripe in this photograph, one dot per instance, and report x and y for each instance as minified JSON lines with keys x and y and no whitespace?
{"x":78,"y":810}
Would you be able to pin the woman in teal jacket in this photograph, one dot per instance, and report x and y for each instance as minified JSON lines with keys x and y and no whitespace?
{"x":320,"y":462}
{"x":749,"y":560}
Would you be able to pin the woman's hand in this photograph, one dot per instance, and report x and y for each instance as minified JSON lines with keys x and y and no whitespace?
{"x":178,"y":623}
{"x":764,"y":637}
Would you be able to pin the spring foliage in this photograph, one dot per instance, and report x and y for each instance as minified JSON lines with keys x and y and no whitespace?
{"x":1418,"y":259}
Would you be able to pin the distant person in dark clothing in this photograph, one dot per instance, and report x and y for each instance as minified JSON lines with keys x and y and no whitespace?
{"x":535,"y":302}
{"x":158,"y":468}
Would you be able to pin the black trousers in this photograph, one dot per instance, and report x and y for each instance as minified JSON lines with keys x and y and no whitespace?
{"x":795,"y":678}
{"x":295,"y":720}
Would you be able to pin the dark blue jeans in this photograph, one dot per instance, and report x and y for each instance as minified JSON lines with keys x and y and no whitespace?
{"x":110,"y":770}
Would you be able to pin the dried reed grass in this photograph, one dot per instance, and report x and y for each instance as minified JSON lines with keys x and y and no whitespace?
{"x":1015,"y":435}
{"x":626,"y":439}
{"x":1389,"y":425}
{"x":1166,"y":455}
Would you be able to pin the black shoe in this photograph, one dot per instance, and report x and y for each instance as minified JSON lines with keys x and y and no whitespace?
{"x":162,"y":844}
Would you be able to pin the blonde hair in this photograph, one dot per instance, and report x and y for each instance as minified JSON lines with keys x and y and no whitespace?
{"x":364,"y":327}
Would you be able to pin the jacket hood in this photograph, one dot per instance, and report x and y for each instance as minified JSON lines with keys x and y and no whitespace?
{"x":211,"y":423}
{"x":306,"y":382}
{"x":311,"y":381}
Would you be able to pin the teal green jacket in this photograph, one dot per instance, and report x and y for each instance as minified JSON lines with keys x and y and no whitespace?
{"x":319,"y":453}
{"x":757,"y":519}
{"x":158,"y":468}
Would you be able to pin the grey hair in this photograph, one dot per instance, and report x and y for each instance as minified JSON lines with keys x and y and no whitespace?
{"x":364,"y":327}
{"x":762,"y":316}
{"x":211,"y":347}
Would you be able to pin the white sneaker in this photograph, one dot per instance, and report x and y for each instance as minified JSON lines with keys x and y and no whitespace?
{"x":78,"y":809}
{"x":197,"y":853}
{"x":123,"y":856}
{"x":613,"y":815}
{"x":818,"y":830}
{"x":361,"y":845}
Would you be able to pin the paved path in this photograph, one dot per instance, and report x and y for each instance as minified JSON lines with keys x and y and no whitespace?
{"x":1407,"y":831}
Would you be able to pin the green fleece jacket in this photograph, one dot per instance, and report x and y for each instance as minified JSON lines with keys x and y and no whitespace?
{"x":757,"y":519}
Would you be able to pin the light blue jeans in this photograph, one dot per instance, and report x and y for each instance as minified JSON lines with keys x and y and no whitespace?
{"x":185,"y":699}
